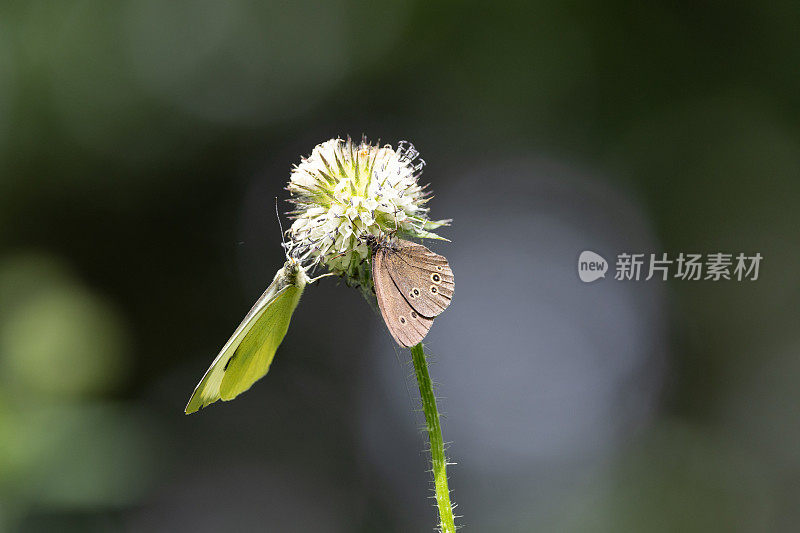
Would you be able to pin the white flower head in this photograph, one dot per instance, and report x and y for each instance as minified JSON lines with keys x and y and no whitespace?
{"x":345,"y":191}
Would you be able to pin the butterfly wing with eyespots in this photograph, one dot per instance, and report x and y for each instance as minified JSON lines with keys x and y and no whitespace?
{"x":424,"y":278}
{"x":405,"y":324}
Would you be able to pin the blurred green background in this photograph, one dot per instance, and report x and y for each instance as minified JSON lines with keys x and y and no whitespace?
{"x":142,"y":144}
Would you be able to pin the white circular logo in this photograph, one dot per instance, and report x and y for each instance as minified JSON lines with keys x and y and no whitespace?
{"x":591,"y":266}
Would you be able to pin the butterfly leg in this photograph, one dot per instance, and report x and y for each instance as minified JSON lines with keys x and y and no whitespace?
{"x":312,"y":280}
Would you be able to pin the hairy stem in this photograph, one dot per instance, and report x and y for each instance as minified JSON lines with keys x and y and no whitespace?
{"x":438,"y":461}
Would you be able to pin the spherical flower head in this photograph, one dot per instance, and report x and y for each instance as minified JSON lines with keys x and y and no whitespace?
{"x":345,"y":191}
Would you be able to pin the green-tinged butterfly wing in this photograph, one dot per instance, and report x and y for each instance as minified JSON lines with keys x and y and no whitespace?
{"x":250,"y":361}
{"x":248,"y":353}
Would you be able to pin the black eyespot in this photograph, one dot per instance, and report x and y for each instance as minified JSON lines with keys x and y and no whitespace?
{"x":415,"y":291}
{"x":402,"y":320}
{"x":439,"y":268}
{"x":433,"y":290}
{"x":413,"y":314}
{"x":436,"y":278}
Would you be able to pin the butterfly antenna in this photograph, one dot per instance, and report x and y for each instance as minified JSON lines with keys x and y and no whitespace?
{"x":280,"y":225}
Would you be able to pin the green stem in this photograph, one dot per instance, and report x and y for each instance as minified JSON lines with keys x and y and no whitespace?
{"x":438,"y":461}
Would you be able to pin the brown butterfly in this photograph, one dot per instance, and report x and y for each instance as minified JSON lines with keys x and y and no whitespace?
{"x":413,"y":286}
